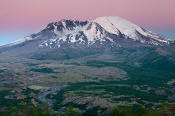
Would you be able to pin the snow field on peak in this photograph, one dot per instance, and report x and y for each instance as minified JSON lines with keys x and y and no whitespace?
{"x":115,"y":25}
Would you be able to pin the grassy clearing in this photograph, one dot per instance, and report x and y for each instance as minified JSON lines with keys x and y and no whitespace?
{"x":42,"y":70}
{"x":65,"y":79}
{"x":41,"y":88}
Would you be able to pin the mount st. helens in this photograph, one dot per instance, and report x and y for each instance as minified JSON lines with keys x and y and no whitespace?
{"x":101,"y":32}
{"x":68,"y":39}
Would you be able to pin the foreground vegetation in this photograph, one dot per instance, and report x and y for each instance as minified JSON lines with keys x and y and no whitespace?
{"x":29,"y":110}
{"x":138,"y":86}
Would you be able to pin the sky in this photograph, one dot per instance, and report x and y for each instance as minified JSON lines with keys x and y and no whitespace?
{"x":20,"y":18}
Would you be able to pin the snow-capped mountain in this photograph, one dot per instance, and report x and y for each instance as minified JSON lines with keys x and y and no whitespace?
{"x":101,"y":30}
{"x":84,"y":37}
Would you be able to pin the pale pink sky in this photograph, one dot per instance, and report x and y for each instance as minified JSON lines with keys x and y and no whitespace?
{"x":32,"y":15}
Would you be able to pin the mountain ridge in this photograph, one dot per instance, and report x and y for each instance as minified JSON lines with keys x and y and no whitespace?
{"x":112,"y":24}
{"x":84,"y":37}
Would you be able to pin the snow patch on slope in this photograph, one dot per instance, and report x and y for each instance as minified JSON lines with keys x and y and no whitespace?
{"x":115,"y":25}
{"x":94,"y":33}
